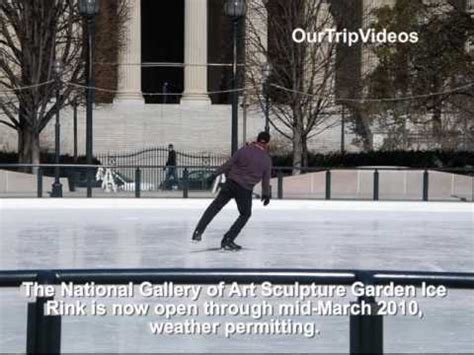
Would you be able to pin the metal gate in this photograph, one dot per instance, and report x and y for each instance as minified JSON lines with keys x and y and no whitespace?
{"x":152,"y":161}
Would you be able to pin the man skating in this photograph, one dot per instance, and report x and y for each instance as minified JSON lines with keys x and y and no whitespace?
{"x":250,"y":165}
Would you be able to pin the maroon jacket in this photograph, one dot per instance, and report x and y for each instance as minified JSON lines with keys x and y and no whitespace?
{"x":248,"y":166}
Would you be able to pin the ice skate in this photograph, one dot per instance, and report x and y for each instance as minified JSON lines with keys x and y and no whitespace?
{"x":230,"y":245}
{"x":197,"y":236}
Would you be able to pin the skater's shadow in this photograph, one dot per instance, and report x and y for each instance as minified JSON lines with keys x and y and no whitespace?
{"x":206,"y":250}
{"x":213,"y":250}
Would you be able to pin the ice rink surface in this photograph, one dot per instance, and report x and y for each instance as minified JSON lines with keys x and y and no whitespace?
{"x":417,"y":236}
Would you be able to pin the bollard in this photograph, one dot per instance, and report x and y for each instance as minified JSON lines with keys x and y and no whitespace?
{"x":472,"y":188}
{"x":138,"y":182}
{"x":71,"y":181}
{"x":328,"y":184}
{"x":89,"y":174}
{"x":376,"y":185}
{"x":425,"y":185}
{"x":39,"y":183}
{"x":366,"y":328}
{"x":280,"y":184}
{"x":185,"y":183}
{"x":43,"y":332}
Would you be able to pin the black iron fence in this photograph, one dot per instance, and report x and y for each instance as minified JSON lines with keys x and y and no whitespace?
{"x":152,"y":160}
{"x":365,"y":331}
{"x":195,"y":178}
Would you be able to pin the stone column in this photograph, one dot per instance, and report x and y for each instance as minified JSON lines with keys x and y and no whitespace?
{"x":256,"y":33}
{"x":195,"y":52}
{"x":130,"y":59}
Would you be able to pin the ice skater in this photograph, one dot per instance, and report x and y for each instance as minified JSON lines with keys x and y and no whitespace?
{"x":250,"y":165}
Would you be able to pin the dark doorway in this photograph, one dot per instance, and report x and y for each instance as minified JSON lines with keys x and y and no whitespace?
{"x":163,"y":42}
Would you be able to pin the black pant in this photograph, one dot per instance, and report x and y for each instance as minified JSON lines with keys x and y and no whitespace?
{"x":243,"y":198}
{"x":171,"y":178}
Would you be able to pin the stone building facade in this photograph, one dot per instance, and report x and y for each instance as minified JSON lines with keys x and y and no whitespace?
{"x":195,"y":122}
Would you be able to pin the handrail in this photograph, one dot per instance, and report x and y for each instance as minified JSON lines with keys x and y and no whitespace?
{"x":365,"y":330}
{"x":14,"y":278}
{"x":276,"y":168}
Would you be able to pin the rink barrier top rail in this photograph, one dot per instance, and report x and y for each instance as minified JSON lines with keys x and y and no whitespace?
{"x":14,"y":278}
{"x":274,"y":168}
{"x":365,"y":330}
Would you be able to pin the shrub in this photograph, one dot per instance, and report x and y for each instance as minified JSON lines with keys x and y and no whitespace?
{"x":48,"y":158}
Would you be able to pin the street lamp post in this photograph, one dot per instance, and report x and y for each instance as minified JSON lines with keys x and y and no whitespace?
{"x":266,"y":72}
{"x":343,"y":130}
{"x":235,"y":9}
{"x":89,"y":9}
{"x":74,"y":119}
{"x":57,"y":188}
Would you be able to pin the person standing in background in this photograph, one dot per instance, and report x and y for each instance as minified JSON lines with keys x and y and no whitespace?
{"x":171,"y":178}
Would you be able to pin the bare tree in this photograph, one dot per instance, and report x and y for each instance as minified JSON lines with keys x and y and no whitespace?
{"x":302,"y":79}
{"x":32,"y":35}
